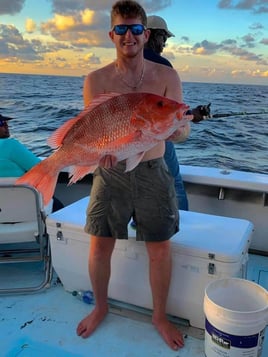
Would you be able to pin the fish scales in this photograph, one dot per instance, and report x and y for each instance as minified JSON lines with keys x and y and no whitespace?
{"x":106,"y":124}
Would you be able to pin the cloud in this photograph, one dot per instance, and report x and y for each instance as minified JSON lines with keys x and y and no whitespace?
{"x":30,"y":26}
{"x":185,"y":69}
{"x":11,"y":7}
{"x":256,"y":26}
{"x":205,"y":48}
{"x":62,"y":23}
{"x":249,"y":41}
{"x":229,"y":42}
{"x":256,"y":73}
{"x":13,"y":45}
{"x":81,"y":29}
{"x":169,"y":55}
{"x":87,"y":16}
{"x":185,"y":39}
{"x":90,"y":58}
{"x":255,"y":6}
{"x":264,"y":41}
{"x":231,"y":47}
{"x":69,"y":6}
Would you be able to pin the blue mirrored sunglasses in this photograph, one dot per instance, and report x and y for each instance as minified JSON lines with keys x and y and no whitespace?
{"x":136,"y":29}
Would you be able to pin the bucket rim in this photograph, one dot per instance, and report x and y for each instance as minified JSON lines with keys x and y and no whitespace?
{"x":248,"y":282}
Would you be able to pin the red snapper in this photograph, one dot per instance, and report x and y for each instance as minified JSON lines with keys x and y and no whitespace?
{"x":114,"y":126}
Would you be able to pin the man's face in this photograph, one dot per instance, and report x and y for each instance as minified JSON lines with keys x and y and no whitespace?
{"x":131,"y":41}
{"x":161,"y":38}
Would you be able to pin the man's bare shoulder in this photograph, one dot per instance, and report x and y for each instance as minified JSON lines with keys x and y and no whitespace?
{"x":96,"y":81}
{"x":101,"y":72}
{"x":162,"y":80}
{"x":161,"y":71}
{"x":154,"y":66}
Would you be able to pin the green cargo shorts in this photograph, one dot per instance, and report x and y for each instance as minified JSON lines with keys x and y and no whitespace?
{"x":147,"y":193}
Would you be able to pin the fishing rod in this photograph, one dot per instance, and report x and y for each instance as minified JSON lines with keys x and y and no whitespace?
{"x":224,"y":115}
{"x":203,"y":112}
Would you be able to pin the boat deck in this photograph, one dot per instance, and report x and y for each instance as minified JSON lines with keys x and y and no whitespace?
{"x":44,"y":323}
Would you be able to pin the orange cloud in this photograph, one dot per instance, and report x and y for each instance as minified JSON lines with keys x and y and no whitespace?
{"x":258,"y":73}
{"x":61,"y":22}
{"x":87,"y":16}
{"x":30,"y":25}
{"x":200,"y":51}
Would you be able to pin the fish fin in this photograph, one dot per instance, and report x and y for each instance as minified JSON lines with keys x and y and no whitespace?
{"x":56,"y":139}
{"x":108,"y":161}
{"x":133,"y":161}
{"x":78,"y":172}
{"x":42,"y":178}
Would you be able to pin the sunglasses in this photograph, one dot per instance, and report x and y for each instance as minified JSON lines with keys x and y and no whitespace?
{"x":136,"y":29}
{"x":2,"y":123}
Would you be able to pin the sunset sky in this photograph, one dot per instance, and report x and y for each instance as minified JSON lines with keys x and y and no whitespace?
{"x":219,"y":41}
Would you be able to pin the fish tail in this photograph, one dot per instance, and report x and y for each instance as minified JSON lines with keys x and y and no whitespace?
{"x":42,"y":178}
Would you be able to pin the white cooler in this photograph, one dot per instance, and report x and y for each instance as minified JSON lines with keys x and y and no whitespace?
{"x":207,"y":247}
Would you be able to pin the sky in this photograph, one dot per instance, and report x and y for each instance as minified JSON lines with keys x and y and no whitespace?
{"x":216,"y":41}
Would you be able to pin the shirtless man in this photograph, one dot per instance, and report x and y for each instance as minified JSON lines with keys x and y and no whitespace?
{"x":147,"y":191}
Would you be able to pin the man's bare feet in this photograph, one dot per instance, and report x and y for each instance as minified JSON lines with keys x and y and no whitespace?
{"x":89,"y":324}
{"x":171,"y":335}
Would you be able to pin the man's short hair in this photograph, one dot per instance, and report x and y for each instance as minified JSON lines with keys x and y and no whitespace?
{"x":128,"y":9}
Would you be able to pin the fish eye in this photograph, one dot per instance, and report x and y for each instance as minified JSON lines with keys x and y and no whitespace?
{"x":160,"y":104}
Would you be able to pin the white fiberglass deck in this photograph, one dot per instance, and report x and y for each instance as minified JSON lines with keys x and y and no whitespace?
{"x":44,"y":324}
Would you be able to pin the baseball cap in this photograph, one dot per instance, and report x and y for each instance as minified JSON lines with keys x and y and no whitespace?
{"x":3,"y":117}
{"x":157,"y":22}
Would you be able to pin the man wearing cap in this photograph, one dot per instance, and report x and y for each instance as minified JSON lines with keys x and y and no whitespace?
{"x":152,"y":52}
{"x":15,"y":158}
{"x":156,"y":43}
{"x":152,"y":49}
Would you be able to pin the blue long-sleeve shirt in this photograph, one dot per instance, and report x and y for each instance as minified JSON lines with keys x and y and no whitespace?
{"x":15,"y":158}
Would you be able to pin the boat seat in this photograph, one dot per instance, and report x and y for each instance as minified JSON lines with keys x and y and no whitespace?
{"x":23,"y":235}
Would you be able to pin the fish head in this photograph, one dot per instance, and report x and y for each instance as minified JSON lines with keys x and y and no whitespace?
{"x":158,"y":116}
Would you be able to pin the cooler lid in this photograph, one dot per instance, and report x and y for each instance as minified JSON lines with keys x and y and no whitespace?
{"x":203,"y":235}
{"x":72,"y":216}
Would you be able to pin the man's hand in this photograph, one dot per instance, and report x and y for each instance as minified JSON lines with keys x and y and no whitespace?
{"x":180,"y":134}
{"x":201,"y":112}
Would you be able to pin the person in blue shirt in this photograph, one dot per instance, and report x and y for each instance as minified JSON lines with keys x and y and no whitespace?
{"x":152,"y":50}
{"x":15,"y":158}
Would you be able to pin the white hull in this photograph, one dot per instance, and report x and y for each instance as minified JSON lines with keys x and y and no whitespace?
{"x":232,"y":194}
{"x":44,"y":323}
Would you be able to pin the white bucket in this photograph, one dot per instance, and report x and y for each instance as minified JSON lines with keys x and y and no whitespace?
{"x":236,"y":313}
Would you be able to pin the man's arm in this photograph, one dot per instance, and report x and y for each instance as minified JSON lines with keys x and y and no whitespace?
{"x":174,"y":91}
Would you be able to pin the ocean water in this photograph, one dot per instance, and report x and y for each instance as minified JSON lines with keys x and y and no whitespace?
{"x":40,"y":104}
